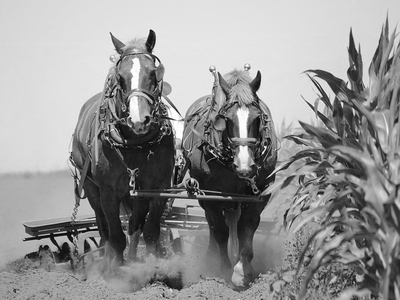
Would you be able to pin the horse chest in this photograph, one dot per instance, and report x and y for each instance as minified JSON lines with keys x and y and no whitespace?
{"x":220,"y":179}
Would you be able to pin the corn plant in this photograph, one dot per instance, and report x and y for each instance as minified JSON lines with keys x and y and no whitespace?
{"x":348,"y":173}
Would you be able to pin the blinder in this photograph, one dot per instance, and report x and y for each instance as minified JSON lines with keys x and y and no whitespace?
{"x":258,"y":145}
{"x":220,"y":119}
{"x":219,"y":123}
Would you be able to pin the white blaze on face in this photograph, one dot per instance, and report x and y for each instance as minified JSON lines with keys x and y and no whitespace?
{"x":243,"y":155}
{"x":134,"y":104}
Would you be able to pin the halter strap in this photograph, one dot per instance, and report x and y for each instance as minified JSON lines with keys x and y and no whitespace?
{"x":137,"y":53}
{"x":243,"y":141}
{"x":143,"y":93}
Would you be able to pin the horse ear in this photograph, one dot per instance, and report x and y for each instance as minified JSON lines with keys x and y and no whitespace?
{"x":224,"y":85}
{"x":151,"y":41}
{"x":255,"y":84}
{"x":160,"y":72}
{"x":219,"y":123}
{"x":117,"y":44}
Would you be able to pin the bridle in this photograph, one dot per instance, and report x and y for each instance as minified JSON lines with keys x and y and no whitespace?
{"x":153,"y":97}
{"x":114,"y":96}
{"x":256,"y":144}
{"x":261,"y":146}
{"x":220,"y":147}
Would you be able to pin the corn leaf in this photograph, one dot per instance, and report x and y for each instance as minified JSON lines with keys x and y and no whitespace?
{"x":337,"y":85}
{"x":324,"y":97}
{"x":321,"y":116}
{"x":326,"y":137}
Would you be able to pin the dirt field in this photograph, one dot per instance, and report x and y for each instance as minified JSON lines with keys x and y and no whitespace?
{"x":40,"y":196}
{"x":185,"y":276}
{"x":26,"y":280}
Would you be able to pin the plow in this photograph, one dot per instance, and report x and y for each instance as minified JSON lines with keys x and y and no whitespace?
{"x":183,"y":227}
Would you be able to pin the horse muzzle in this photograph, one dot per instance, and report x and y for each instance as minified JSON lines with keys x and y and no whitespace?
{"x":245,"y":171}
{"x":140,"y":127}
{"x":244,"y":167}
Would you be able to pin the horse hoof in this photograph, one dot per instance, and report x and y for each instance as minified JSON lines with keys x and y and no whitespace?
{"x":236,"y":288}
{"x":238,"y":275}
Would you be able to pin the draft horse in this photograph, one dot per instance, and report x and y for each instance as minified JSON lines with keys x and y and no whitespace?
{"x":230,"y":146}
{"x":123,"y":141}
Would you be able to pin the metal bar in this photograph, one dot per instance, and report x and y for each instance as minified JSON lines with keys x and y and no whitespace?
{"x":196,"y":197}
{"x":186,"y":223}
{"x":207,"y":192}
{"x":45,"y":236}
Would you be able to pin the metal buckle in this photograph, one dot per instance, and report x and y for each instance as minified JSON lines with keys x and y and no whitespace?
{"x":132,"y":177}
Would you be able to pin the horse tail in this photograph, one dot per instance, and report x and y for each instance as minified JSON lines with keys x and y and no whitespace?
{"x":231,"y":219}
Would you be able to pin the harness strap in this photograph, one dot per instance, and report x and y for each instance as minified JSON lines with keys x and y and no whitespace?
{"x":172,"y":105}
{"x":132,"y":173}
{"x":78,"y":190}
{"x":214,"y":151}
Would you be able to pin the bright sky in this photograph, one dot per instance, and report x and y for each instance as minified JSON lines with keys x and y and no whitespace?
{"x":55,"y":56}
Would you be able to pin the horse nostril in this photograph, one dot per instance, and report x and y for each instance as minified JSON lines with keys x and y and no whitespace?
{"x":129,"y":121}
{"x":146,"y":120}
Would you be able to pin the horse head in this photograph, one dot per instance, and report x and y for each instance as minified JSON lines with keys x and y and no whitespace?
{"x":136,"y":85}
{"x":240,"y":121}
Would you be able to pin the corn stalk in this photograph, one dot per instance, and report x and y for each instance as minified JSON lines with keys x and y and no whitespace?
{"x":349,"y":172}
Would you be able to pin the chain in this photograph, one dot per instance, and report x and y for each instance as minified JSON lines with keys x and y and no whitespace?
{"x":75,"y":211}
{"x":252,"y":183}
{"x":168,"y":209}
{"x":165,"y":129}
{"x":75,"y":258}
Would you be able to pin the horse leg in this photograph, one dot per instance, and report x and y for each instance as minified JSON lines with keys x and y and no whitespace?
{"x":212,"y":244}
{"x":231,"y":218}
{"x":93,"y":195}
{"x":117,"y":239}
{"x":151,"y":229}
{"x":243,"y":272}
{"x":221,"y":236}
{"x":136,"y":223}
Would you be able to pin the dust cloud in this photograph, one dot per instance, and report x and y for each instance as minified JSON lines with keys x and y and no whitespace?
{"x":182,"y":270}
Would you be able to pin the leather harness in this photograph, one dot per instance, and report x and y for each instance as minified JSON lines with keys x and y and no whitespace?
{"x":211,"y":139}
{"x":108,"y":119}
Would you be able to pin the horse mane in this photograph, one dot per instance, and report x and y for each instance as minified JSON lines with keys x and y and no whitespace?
{"x":138,"y":44}
{"x":241,"y":92}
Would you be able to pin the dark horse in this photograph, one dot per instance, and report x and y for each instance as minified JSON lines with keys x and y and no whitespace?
{"x":123,"y":141}
{"x":230,"y":145}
